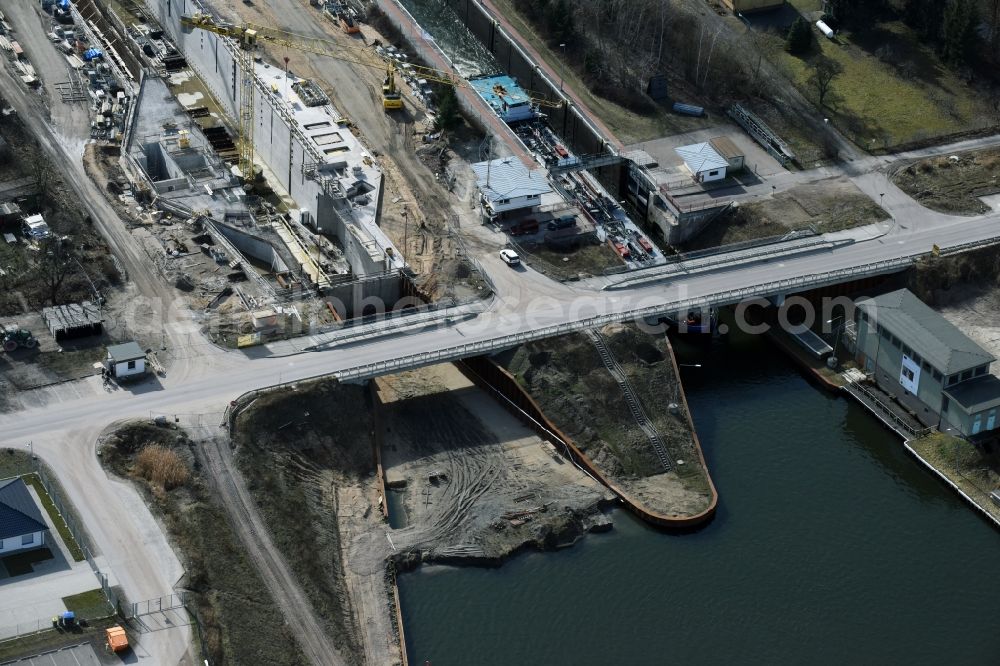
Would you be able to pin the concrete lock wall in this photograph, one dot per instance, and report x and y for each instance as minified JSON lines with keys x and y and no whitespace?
{"x":211,"y":58}
{"x":566,"y":120}
{"x":275,"y":142}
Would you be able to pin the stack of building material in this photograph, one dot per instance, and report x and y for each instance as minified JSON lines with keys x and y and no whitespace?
{"x":75,"y":320}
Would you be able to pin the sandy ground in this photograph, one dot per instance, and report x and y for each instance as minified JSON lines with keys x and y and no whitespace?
{"x":976,"y":312}
{"x":477,"y":486}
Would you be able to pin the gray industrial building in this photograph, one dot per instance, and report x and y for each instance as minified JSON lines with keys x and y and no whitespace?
{"x":930,"y":366}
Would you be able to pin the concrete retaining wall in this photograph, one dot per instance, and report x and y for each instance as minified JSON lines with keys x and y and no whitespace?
{"x":211,"y":57}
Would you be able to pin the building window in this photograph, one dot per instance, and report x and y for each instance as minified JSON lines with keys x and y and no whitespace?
{"x":864,"y":316}
{"x":915,"y":357}
{"x":503,"y":201}
{"x":952,"y":380}
{"x":131,"y":365}
{"x":908,"y":351}
{"x":713,"y":173}
{"x":896,"y":342}
{"x":927,"y":366}
{"x":27,"y":539}
{"x":981,"y":370}
{"x":938,"y":376}
{"x":966,"y":375}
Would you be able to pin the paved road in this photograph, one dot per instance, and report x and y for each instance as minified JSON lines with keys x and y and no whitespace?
{"x":64,"y":430}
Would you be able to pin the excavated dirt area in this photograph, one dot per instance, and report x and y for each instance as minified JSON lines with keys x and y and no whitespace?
{"x":833,"y":204}
{"x":568,"y":379}
{"x":475,"y":483}
{"x":952,"y":183}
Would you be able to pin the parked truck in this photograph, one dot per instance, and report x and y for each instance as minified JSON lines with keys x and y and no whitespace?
{"x":524,"y":227}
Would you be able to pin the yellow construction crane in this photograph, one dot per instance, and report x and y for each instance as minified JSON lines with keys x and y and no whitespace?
{"x":248,"y":36}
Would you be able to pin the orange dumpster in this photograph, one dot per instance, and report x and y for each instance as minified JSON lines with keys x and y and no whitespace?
{"x":117,"y":640}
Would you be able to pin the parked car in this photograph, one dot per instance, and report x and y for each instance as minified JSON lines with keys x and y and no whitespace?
{"x":564,"y":222}
{"x":35,"y":227}
{"x":510,"y":257}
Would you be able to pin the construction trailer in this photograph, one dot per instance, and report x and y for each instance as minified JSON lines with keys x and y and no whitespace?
{"x":126,"y":361}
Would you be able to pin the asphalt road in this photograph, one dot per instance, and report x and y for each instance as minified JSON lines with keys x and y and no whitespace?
{"x":63,"y":433}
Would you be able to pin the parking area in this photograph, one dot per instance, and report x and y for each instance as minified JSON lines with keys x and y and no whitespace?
{"x":756,"y":158}
{"x":77,"y":655}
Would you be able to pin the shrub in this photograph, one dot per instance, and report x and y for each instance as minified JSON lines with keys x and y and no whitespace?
{"x":799,"y":37}
{"x":161,"y":467}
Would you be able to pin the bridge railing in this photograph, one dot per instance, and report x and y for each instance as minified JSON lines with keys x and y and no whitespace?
{"x":726,"y":297}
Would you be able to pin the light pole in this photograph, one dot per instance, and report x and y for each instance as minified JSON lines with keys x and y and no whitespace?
{"x":836,"y":340}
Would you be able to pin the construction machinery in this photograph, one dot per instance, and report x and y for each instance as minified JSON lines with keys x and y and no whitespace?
{"x":392,"y":99}
{"x":248,"y":37}
{"x":12,"y":337}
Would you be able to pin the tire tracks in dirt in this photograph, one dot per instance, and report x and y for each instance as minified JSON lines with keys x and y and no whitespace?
{"x":271,"y":565}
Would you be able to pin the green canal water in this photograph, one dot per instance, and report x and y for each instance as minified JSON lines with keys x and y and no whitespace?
{"x":831,"y":546}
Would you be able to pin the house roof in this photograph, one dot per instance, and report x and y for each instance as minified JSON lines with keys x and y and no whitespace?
{"x":977,"y":394}
{"x":19,"y":513}
{"x":509,"y":178}
{"x":129,"y":351}
{"x":925,"y":331}
{"x":701,"y":157}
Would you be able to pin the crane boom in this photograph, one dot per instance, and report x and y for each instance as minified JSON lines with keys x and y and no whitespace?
{"x":248,"y":36}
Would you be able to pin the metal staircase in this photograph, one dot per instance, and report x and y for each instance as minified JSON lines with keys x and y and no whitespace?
{"x":631,"y":399}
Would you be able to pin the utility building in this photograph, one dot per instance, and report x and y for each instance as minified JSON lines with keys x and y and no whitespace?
{"x":704,"y":162}
{"x":929,"y":365}
{"x":126,"y":360}
{"x":507,"y":185}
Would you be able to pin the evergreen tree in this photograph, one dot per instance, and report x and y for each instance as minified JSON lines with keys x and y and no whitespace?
{"x":925,"y":16}
{"x":559,"y":20}
{"x":799,"y":37}
{"x":959,"y":34}
{"x":448,"y":116}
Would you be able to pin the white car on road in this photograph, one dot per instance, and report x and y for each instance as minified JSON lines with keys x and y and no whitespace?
{"x":510,"y":257}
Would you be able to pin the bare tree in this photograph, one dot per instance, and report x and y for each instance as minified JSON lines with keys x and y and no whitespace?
{"x":824,"y":73}
{"x":55,"y":263}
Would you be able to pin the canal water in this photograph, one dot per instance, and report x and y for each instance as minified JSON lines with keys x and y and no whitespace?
{"x":467,"y":53}
{"x":831,"y":546}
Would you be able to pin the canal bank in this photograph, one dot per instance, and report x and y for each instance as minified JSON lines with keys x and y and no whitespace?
{"x":830,"y":543}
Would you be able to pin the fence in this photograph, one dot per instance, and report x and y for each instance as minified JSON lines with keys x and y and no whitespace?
{"x":72,"y":524}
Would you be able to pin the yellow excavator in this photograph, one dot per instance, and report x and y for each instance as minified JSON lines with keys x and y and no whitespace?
{"x":392,"y":99}
{"x":249,"y":36}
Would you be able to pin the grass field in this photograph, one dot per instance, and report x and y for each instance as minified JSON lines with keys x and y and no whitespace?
{"x":893,"y":90}
{"x":833,"y":204}
{"x":628,"y":126}
{"x":89,"y":605}
{"x":586,"y":260}
{"x":976,"y":474}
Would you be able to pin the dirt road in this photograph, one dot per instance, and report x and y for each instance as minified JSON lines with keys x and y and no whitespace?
{"x":272,"y":567}
{"x":157,"y":311}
